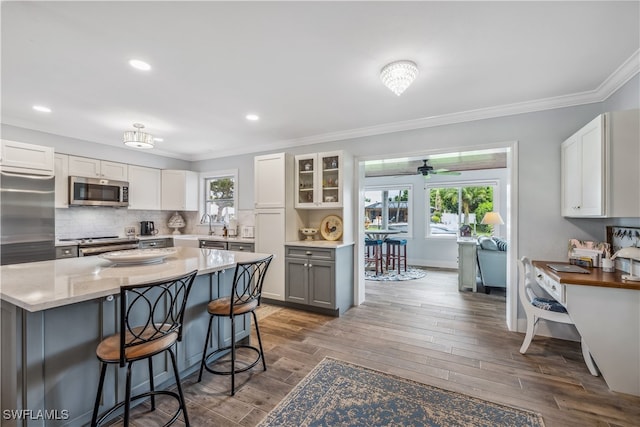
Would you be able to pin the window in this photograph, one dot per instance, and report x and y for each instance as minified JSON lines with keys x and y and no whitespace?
{"x":388,"y":207}
{"x":220,"y":196}
{"x":451,"y":206}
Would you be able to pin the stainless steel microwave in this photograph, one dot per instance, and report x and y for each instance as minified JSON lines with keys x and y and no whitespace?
{"x":98,"y":192}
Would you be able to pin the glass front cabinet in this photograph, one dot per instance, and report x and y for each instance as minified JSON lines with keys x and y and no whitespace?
{"x":319,"y":180}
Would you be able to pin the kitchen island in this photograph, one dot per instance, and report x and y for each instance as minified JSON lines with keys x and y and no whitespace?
{"x":54,"y":314}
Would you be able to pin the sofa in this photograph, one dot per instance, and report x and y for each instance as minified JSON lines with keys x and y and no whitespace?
{"x":492,"y":262}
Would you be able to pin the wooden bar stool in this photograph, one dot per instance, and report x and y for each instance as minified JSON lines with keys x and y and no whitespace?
{"x":150,"y":323}
{"x":373,"y":253}
{"x":245,"y":298}
{"x":396,"y":253}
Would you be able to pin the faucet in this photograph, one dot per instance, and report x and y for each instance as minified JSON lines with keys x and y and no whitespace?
{"x":207,"y":218}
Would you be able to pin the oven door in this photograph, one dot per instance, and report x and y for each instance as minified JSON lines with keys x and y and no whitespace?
{"x":98,"y":192}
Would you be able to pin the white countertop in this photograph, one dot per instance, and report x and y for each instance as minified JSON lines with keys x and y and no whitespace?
{"x":42,"y":285}
{"x":318,"y":243}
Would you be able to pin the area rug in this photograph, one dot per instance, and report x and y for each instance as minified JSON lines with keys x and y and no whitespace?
{"x":393,"y":275}
{"x":337,"y":393}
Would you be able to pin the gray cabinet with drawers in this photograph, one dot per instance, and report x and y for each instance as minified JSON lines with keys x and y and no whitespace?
{"x":230,"y":246}
{"x":239,"y":246}
{"x":66,"y":251}
{"x":156,"y":243}
{"x":319,"y":278}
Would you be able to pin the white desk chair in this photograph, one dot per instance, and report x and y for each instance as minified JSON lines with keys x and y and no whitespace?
{"x":537,"y":308}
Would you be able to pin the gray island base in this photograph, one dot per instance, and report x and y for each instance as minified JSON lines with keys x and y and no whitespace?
{"x":54,"y":314}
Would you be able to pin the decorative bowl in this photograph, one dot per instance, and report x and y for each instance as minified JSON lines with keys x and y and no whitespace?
{"x":309,"y":232}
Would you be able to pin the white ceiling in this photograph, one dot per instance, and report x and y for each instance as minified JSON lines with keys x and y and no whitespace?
{"x":309,"y":69}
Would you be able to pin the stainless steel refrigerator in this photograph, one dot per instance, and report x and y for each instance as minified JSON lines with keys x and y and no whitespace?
{"x":27,"y":218}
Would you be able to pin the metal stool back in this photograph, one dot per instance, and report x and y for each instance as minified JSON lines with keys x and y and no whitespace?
{"x":245,"y":298}
{"x":151,"y":317}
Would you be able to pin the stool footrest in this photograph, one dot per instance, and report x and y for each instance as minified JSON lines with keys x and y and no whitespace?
{"x":119,"y":405}
{"x":228,"y":349}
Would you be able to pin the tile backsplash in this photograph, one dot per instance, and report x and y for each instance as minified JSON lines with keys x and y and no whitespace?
{"x":84,"y":221}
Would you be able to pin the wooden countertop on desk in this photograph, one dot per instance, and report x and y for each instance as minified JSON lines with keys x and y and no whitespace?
{"x":596,"y":277}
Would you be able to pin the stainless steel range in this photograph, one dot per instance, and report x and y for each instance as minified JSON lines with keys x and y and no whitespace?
{"x":88,"y":246}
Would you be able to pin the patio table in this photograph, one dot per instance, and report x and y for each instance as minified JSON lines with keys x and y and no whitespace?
{"x":381,"y":234}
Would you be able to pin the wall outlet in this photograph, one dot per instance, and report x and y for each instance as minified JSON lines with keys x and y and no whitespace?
{"x":129,"y":231}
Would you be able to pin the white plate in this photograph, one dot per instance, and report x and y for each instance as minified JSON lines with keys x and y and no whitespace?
{"x":139,"y":256}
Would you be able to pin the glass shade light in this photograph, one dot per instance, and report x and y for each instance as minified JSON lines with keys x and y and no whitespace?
{"x":492,"y":218}
{"x":399,"y":75}
{"x":137,"y":138}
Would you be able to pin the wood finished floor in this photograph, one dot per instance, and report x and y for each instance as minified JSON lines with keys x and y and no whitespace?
{"x":423,"y":330}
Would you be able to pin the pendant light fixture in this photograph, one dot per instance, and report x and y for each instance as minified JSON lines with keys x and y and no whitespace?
{"x":137,"y":138}
{"x":399,"y":75}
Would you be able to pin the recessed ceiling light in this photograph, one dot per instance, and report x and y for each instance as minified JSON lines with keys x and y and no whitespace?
{"x":139,"y":65}
{"x":252,"y":117}
{"x":42,"y":108}
{"x":158,"y":139}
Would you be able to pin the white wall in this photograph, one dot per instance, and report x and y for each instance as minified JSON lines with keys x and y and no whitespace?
{"x":543,"y":232}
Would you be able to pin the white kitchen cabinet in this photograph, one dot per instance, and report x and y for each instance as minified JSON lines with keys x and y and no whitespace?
{"x":583,"y":162}
{"x":144,"y":188}
{"x":179,"y":190}
{"x":270,"y":180}
{"x":95,"y":168}
{"x":20,"y":157}
{"x":270,"y":237}
{"x":61,"y":169}
{"x":319,"y":180}
{"x":600,"y":175}
{"x":276,"y":220}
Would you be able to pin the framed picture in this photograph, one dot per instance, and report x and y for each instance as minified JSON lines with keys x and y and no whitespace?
{"x":622,"y":237}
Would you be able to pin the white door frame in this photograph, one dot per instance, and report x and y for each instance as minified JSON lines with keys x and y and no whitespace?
{"x":511,"y":222}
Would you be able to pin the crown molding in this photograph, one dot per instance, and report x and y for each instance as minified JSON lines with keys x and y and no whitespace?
{"x":610,"y":85}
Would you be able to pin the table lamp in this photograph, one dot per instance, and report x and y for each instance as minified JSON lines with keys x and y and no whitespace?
{"x":633,"y":254}
{"x":492,"y":218}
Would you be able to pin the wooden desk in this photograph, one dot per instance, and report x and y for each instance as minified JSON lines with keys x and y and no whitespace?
{"x":606,"y":313}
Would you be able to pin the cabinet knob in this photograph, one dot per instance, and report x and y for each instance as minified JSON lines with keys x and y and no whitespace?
{"x":309,"y":253}
{"x":310,"y":265}
{"x":306,"y":265}
{"x":109,"y":298}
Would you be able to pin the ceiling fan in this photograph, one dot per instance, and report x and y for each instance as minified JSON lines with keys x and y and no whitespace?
{"x":426,"y":170}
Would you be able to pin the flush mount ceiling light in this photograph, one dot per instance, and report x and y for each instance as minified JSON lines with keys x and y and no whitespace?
{"x":42,"y":108}
{"x":252,"y":117}
{"x":137,"y":138}
{"x":139,"y":65}
{"x":399,"y":75}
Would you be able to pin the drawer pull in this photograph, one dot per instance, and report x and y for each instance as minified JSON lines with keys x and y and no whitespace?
{"x":309,"y":253}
